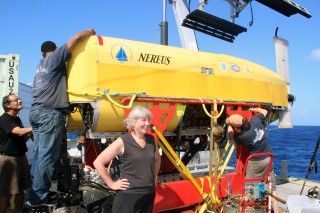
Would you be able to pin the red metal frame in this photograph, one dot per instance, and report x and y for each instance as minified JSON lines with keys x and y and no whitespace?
{"x":157,"y":114}
{"x":183,"y":193}
{"x":241,"y":150}
{"x":178,"y":194}
{"x":264,"y":179}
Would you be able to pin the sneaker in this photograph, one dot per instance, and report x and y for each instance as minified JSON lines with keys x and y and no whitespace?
{"x":51,"y":200}
{"x":47,"y":204}
{"x":53,"y":197}
{"x":29,"y":205}
{"x":44,"y":208}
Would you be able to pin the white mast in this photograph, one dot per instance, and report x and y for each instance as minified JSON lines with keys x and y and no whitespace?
{"x":282,"y":62}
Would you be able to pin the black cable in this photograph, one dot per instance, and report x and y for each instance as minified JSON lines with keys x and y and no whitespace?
{"x":276,"y":32}
{"x":251,"y":22}
{"x":95,"y":185}
{"x":312,"y":164}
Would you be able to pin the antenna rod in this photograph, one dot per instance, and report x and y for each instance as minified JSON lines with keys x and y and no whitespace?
{"x":164,"y":26}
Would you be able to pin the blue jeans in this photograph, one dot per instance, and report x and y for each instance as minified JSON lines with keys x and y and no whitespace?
{"x":48,"y":128}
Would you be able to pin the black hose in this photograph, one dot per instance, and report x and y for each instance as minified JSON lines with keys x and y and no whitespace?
{"x":312,"y":164}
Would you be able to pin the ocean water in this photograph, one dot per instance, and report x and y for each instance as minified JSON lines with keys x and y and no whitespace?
{"x":297,"y":146}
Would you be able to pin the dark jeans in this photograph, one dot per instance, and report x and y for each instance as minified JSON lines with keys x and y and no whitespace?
{"x":48,"y":128}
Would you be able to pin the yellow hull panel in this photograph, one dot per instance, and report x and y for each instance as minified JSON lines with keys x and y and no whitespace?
{"x":102,"y":65}
{"x":94,"y":68}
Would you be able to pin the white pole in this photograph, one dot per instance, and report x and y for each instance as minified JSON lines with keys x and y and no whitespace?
{"x":282,"y":61}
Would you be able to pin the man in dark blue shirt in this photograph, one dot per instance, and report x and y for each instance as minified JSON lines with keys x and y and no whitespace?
{"x":254,"y":135}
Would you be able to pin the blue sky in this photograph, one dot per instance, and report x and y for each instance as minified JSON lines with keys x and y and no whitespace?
{"x":26,"y":24}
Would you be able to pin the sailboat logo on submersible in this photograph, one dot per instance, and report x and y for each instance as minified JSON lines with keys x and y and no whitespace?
{"x":121,"y":55}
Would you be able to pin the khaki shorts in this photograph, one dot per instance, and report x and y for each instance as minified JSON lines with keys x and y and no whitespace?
{"x":258,"y":169}
{"x":14,"y":174}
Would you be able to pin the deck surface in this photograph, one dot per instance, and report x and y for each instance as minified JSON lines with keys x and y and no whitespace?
{"x":293,"y":186}
{"x":285,"y":188}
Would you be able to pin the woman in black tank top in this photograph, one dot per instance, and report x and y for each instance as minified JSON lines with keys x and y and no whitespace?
{"x":139,"y":165}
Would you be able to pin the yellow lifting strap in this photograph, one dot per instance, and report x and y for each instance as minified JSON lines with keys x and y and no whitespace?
{"x":167,"y":149}
{"x":215,"y":200}
{"x":210,"y":199}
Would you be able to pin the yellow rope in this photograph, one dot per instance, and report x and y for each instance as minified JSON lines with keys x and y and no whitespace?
{"x":98,"y":95}
{"x":122,"y":106}
{"x":208,"y":114}
{"x":298,"y":183}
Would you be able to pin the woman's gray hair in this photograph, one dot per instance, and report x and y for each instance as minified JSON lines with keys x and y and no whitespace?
{"x":134,"y":115}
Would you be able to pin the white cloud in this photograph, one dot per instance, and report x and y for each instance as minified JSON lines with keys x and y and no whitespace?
{"x":315,"y":55}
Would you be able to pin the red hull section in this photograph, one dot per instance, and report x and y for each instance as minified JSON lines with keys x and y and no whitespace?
{"x":178,"y":194}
